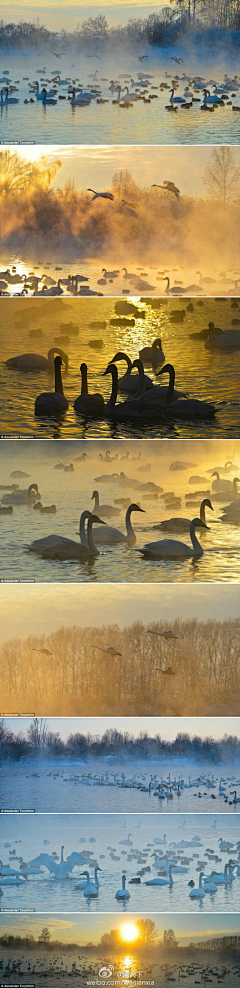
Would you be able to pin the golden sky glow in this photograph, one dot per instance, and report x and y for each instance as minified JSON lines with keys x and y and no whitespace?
{"x":129,"y":933}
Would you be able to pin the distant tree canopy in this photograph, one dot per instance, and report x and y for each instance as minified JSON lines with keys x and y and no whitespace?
{"x":169,"y":940}
{"x":222,"y":176}
{"x":44,"y":936}
{"x":17,"y":175}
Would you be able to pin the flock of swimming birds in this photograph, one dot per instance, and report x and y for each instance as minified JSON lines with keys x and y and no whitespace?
{"x":123,"y":92}
{"x":156,"y":865}
{"x":152,"y":784}
{"x":57,"y":547}
{"x":58,"y":969}
{"x":223,"y":283}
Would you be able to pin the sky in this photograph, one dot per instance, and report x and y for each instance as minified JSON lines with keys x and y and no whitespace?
{"x":85,"y":928}
{"x":30,"y":609}
{"x":94,"y":166}
{"x":166,"y":727}
{"x":76,"y":11}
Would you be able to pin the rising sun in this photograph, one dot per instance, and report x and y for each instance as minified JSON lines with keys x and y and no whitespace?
{"x":129,"y":932}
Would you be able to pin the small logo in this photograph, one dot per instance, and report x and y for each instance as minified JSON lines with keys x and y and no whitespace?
{"x":106,"y":972}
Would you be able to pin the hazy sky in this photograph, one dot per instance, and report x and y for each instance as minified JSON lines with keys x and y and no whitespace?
{"x":94,"y":166}
{"x":167,"y":727}
{"x":28,"y":609}
{"x":58,"y":14}
{"x":86,"y":928}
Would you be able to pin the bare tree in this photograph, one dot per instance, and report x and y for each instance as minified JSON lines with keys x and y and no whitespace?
{"x":222,"y":176}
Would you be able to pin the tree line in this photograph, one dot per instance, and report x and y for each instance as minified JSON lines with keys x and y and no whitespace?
{"x":76,"y":679}
{"x":42,"y":743}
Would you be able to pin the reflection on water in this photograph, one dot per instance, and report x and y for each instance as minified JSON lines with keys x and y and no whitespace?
{"x":71,"y":493}
{"x":107,"y":123}
{"x":55,"y":788}
{"x":120,"y":843}
{"x":212,"y":376}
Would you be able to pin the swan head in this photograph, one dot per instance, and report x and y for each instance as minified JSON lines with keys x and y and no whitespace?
{"x":95,"y":518}
{"x":94,"y":494}
{"x":135,"y":507}
{"x":139,"y":365}
{"x":198,"y":523}
{"x":157,"y":342}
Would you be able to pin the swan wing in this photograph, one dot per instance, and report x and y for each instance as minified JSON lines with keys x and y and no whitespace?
{"x":74,"y":859}
{"x":46,"y":860}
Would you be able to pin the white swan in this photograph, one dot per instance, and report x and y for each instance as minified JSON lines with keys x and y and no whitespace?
{"x":176,"y":99}
{"x":170,"y":549}
{"x":100,"y":195}
{"x":91,"y":888}
{"x":226,"y":876}
{"x":162,"y":881}
{"x":8,"y":99}
{"x":40,"y":96}
{"x":224,"y":485}
{"x":105,"y":510}
{"x":182,"y":524}
{"x":152,"y":354}
{"x":80,"y":100}
{"x":48,"y":101}
{"x":185,"y":407}
{"x":57,"y":547}
{"x":211,"y":99}
{"x":113,"y":535}
{"x":61,"y":869}
{"x":13,"y":880}
{"x":83,"y":885}
{"x":87,"y":404}
{"x":127,"y":841}
{"x":129,"y":383}
{"x":168,"y":635}
{"x":198,"y":893}
{"x":34,"y":361}
{"x":52,"y":404}
{"x":22,"y":497}
{"x":209,"y":884}
{"x":123,"y":893}
{"x":227,"y":340}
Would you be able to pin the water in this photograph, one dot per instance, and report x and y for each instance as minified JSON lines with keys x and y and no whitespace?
{"x":211,"y":376}
{"x":156,"y":974}
{"x":56,"y":790}
{"x":143,"y":123}
{"x":71,"y":492}
{"x":102,"y":833}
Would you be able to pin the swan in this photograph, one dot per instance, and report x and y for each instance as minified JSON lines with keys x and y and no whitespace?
{"x":83,"y":886}
{"x":152,"y":354}
{"x":224,"y":485}
{"x":54,"y":547}
{"x":61,"y":869}
{"x":129,"y":383}
{"x":236,"y":798}
{"x":229,"y":339}
{"x":162,"y":881}
{"x":170,"y":549}
{"x":224,"y":877}
{"x":13,"y":880}
{"x":48,"y":101}
{"x":113,"y":535}
{"x":22,"y":497}
{"x":122,"y":894}
{"x":87,"y":404}
{"x":79,"y":100}
{"x":52,"y":403}
{"x":34,"y":361}
{"x":40,"y":96}
{"x":100,"y":195}
{"x":168,"y":186}
{"x":168,"y":635}
{"x":107,"y":510}
{"x":182,"y":524}
{"x":127,"y":841}
{"x":177,"y":290}
{"x":176,"y":99}
{"x":199,"y":892}
{"x":91,"y":889}
{"x":211,"y":99}
{"x":8,"y":99}
{"x":185,"y":407}
{"x":210,"y":885}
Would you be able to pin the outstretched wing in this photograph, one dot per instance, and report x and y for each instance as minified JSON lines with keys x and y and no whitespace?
{"x":74,"y":859}
{"x":46,"y":860}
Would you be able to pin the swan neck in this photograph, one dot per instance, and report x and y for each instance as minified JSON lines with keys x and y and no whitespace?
{"x":91,"y":543}
{"x":128,"y":522}
{"x":170,"y":390}
{"x":193,"y":537}
{"x":84,"y":388}
{"x":112,"y":400}
{"x":58,"y":379}
{"x":82,"y":533}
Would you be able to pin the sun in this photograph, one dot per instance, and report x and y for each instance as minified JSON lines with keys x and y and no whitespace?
{"x":129,"y":933}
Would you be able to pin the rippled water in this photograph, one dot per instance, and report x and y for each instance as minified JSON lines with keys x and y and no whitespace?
{"x":71,"y":493}
{"x":55,"y":793}
{"x":108,"y":124}
{"x":159,"y":976}
{"x":102,"y":833}
{"x":208,"y":375}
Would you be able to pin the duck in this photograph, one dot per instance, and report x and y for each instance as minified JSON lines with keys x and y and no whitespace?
{"x":123,"y":893}
{"x":86,"y":404}
{"x":34,"y":361}
{"x":171,"y":549}
{"x":52,"y":404}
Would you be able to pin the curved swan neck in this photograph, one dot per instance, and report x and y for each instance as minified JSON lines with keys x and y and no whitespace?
{"x":123,"y":882}
{"x":58,"y":376}
{"x":113,"y":397}
{"x":91,"y":543}
{"x":168,"y":369}
{"x":84,"y":388}
{"x":192,"y":532}
{"x":128,"y":521}
{"x":96,"y":505}
{"x":142,"y":381}
{"x":59,"y":353}
{"x":32,"y":487}
{"x":83,"y":518}
{"x":123,"y":356}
